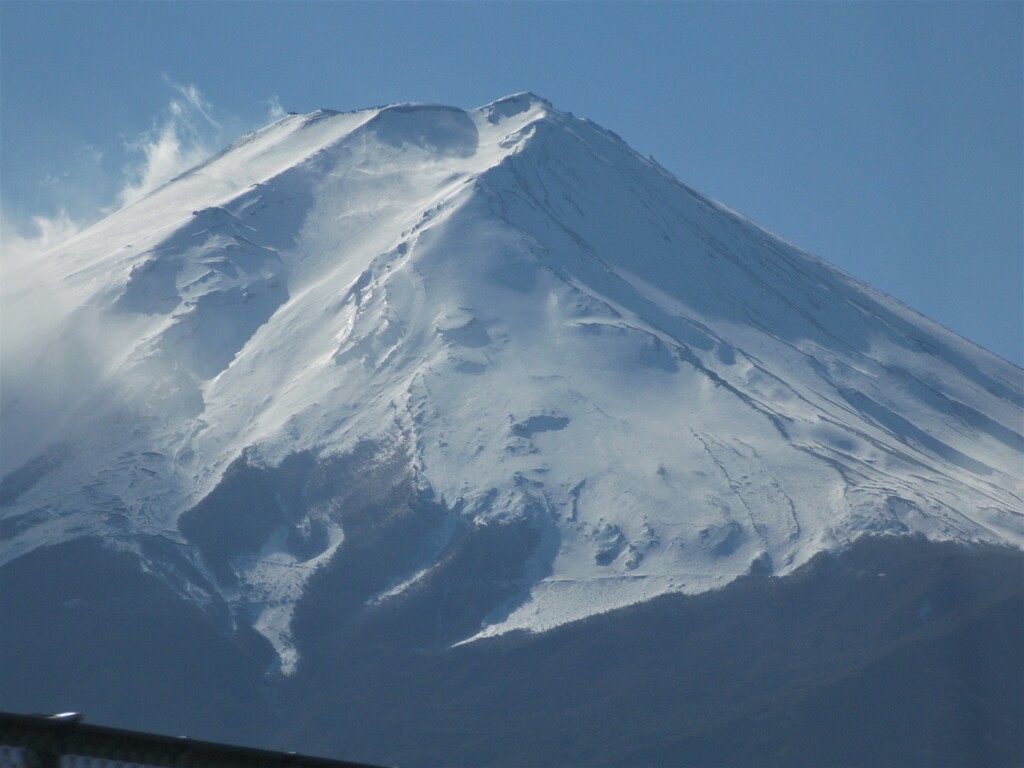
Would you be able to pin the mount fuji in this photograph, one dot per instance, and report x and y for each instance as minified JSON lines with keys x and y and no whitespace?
{"x":479,"y":377}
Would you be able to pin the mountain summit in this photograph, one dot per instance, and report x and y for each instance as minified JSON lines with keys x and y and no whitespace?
{"x":489,"y":365}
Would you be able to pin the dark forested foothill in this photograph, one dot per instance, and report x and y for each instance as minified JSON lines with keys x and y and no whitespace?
{"x":898,"y":652}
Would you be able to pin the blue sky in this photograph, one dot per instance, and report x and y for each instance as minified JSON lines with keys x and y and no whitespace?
{"x":885,"y":137}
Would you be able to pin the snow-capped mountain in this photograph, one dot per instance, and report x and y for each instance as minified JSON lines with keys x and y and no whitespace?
{"x":533,"y":343}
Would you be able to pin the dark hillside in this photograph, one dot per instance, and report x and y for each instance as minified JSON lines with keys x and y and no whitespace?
{"x":898,"y":652}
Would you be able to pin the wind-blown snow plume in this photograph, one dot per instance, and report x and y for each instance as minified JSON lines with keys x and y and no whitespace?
{"x":274,"y":109}
{"x":187,"y":136}
{"x":44,"y":366}
{"x":187,"y":131}
{"x":21,"y":251}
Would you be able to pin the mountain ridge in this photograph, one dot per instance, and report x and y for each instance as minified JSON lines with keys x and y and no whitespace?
{"x":522,"y":331}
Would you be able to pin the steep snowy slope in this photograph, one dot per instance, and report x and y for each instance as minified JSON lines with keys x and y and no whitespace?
{"x":507,"y":323}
